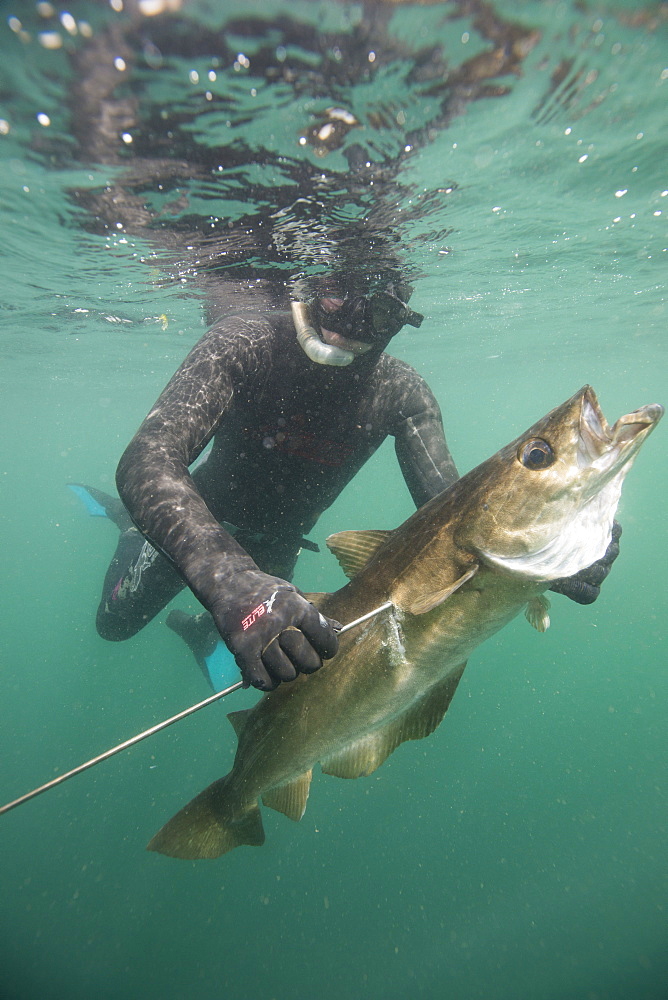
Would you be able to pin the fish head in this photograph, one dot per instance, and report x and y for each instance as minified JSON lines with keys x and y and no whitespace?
{"x":543,"y":506}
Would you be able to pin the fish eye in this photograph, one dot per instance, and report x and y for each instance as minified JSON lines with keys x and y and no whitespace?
{"x":536,"y":454}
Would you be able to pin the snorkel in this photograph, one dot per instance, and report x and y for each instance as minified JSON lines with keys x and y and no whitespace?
{"x":312,"y":344}
{"x":371,"y":318}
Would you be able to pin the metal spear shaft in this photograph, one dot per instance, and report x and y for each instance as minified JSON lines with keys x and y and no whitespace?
{"x":156,"y":729}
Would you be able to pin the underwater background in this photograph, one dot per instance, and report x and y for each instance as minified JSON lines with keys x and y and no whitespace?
{"x":519,"y":852}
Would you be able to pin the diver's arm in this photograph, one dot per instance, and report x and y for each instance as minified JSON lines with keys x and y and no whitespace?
{"x":421,"y":447}
{"x":153,"y":478}
{"x":250,"y":608}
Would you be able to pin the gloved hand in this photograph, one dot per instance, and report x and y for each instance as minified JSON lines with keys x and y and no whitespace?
{"x":585,"y":586}
{"x":273,"y":631}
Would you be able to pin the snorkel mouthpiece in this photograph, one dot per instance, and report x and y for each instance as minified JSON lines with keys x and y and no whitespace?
{"x":311,"y":344}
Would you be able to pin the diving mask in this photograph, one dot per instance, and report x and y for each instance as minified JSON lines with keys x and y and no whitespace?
{"x":373,"y":318}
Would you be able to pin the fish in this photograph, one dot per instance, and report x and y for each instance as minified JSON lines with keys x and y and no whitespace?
{"x":456,"y":572}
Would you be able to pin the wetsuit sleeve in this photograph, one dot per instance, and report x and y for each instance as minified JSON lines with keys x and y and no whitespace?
{"x":153,"y":478}
{"x":273,"y":631}
{"x":421,"y":447}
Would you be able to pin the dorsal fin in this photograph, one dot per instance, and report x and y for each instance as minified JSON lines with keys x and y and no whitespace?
{"x":238,"y":720}
{"x":290,"y":799}
{"x":354,"y":549}
{"x":365,"y":755}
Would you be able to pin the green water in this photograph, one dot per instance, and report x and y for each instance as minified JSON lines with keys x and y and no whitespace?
{"x":519,"y":852}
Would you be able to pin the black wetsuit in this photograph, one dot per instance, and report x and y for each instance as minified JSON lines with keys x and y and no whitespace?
{"x":288,"y":435}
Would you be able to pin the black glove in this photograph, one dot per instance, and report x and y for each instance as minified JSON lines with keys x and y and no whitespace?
{"x":273,"y":631}
{"x":585,"y":586}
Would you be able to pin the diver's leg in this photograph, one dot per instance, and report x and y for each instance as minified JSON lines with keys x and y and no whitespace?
{"x":138,"y":584}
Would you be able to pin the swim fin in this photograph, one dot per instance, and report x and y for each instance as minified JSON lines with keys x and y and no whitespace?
{"x":99,"y":504}
{"x":201,"y":637}
{"x":221,"y":667}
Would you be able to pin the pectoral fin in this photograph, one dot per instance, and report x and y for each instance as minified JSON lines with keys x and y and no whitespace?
{"x":427,"y":602}
{"x":290,"y":799}
{"x":365,"y":755}
{"x":536,"y":613}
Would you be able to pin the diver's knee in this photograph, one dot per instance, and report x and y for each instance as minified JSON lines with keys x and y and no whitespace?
{"x":113,"y":629}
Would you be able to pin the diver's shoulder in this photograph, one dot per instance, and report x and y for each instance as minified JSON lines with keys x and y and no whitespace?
{"x":238,"y":335}
{"x":403,"y":386}
{"x":393,"y":369}
{"x":237,"y":348}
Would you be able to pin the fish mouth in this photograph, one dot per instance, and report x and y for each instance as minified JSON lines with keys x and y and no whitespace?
{"x":601,"y":444}
{"x":629,"y":426}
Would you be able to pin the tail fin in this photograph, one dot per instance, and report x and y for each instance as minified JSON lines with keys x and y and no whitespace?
{"x":99,"y":504}
{"x":203,"y":828}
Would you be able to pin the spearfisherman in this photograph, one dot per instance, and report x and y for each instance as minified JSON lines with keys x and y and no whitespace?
{"x":293,"y":389}
{"x":295,"y":399}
